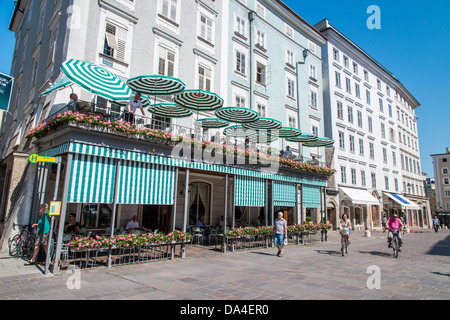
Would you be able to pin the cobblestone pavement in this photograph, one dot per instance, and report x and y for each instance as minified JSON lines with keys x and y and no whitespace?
{"x":311,"y":272}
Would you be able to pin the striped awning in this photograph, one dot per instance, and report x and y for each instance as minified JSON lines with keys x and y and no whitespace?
{"x":91,"y":179}
{"x":249,"y":192}
{"x":263,"y":138}
{"x":60,"y":84}
{"x":96,"y":79}
{"x":264,"y":124}
{"x":199,"y":100}
{"x":237,"y":115}
{"x":169,"y":110}
{"x":146,"y":183}
{"x":156,"y":85}
{"x":284,"y":194}
{"x":311,"y":197}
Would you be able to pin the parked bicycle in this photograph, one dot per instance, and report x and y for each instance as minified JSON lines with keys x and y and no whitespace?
{"x":22,"y":244}
{"x":344,"y":240}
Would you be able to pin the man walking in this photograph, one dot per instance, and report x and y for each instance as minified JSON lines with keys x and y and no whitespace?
{"x":280,"y":233}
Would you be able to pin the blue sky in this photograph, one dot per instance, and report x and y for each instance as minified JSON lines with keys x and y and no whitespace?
{"x":413,"y":43}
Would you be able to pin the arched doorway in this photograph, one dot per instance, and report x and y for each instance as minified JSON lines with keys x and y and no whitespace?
{"x":331,"y":213}
{"x":200,"y":202}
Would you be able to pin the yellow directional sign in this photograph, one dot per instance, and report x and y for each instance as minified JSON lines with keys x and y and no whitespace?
{"x":34,"y":158}
{"x":55,"y":208}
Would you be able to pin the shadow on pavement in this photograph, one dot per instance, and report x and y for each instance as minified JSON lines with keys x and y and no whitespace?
{"x":329,"y":252}
{"x":442,"y":248}
{"x":377,"y":253}
{"x":441,"y":274}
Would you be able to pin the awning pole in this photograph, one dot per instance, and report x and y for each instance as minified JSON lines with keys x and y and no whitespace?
{"x":225,"y":207}
{"x":174,"y":209}
{"x":114,"y":212}
{"x":185,"y":211}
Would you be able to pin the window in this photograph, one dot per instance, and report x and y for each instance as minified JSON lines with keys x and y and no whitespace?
{"x":169,"y":9}
{"x":204,"y":78}
{"x":386,"y":182}
{"x":96,"y":215}
{"x":370,"y":121}
{"x":336,"y":54}
{"x":313,"y":99}
{"x":381,"y":105}
{"x":368,"y":97}
{"x":379,"y":84}
{"x":240,"y":101}
{"x":312,"y":71}
{"x":446,"y":181}
{"x":383,"y":130}
{"x":447,"y":193}
{"x":390,"y":111}
{"x":348,"y":85}
{"x":338,"y":79}
{"x":289,"y":57}
{"x":341,"y":140}
{"x":361,"y":146}
{"x":206,"y":28}
{"x":353,"y":176}
{"x":371,"y":150}
{"x":346,"y":63}
{"x":444,"y":170}
{"x":363,"y":178}
{"x":360,"y":119}
{"x":260,"y":73}
{"x":261,"y":110}
{"x":292,"y":122}
{"x":315,"y":130}
{"x":355,"y":67}
{"x":289,"y":31}
{"x":396,"y":184}
{"x":374,"y":180}
{"x":385,"y":157}
{"x":240,"y":25}
{"x":51,"y":53}
{"x":394,"y":158}
{"x":343,"y":175}
{"x":166,"y":66}
{"x":240,"y":62}
{"x":260,"y":38}
{"x":260,"y":10}
{"x":366,"y":75}
{"x":291,"y":88}
{"x":352,"y":143}
{"x":350,"y":114}
{"x":357,"y":91}
{"x":340,"y":110}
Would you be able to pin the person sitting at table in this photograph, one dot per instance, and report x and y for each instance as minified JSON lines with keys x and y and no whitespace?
{"x":287,"y":153}
{"x":73,"y":102}
{"x":72,"y":226}
{"x":132,"y":224}
{"x":201,"y":224}
{"x":314,"y":161}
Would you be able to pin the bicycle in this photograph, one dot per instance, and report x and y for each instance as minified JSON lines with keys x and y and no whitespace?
{"x":344,"y":240}
{"x":395,"y":242}
{"x":22,"y":244}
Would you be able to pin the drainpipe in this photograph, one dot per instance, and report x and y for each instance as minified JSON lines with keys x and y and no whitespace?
{"x":251,"y":18}
{"x":305,"y":55}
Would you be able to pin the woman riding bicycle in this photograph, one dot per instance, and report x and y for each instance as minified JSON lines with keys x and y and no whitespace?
{"x":395,"y":224}
{"x":345,"y":224}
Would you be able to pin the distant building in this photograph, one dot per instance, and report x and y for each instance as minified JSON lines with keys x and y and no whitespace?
{"x":441,"y":166}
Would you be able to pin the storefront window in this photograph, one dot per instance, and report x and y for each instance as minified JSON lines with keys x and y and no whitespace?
{"x":96,"y":215}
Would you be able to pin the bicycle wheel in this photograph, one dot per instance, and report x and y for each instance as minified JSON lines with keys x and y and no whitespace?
{"x":395,"y":246}
{"x":14,"y":246}
{"x":28,"y":248}
{"x":343,"y":248}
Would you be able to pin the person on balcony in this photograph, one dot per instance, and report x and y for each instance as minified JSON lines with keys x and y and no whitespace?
{"x":130,"y":110}
{"x":288,"y":153}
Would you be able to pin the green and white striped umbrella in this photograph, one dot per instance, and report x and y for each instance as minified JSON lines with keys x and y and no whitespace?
{"x":58,"y":85}
{"x":169,"y":110}
{"x":238,"y":132}
{"x":156,"y":85}
{"x":264,"y":124}
{"x":288,"y":132}
{"x":305,"y":137}
{"x":199,"y":100}
{"x":237,"y":115}
{"x":96,"y":79}
{"x":212,"y":123}
{"x":263,"y":138}
{"x":321,"y":142}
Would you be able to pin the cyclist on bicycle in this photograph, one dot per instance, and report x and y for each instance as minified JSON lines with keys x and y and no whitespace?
{"x":345,"y":224}
{"x":394,"y":223}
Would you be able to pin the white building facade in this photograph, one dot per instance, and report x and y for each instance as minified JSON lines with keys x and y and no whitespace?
{"x":364,"y":108}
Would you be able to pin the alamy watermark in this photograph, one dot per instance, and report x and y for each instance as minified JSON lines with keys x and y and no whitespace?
{"x":374,"y":20}
{"x":374,"y":280}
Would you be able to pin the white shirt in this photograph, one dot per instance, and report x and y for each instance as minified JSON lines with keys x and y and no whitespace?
{"x":132,"y":225}
{"x":134,"y":104}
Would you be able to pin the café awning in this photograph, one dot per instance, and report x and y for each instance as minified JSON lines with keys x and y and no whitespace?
{"x":249,"y":192}
{"x":284,"y":194}
{"x":403,"y":202}
{"x":359,"y":196}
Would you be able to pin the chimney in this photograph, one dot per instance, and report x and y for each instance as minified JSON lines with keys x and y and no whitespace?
{"x":448,"y":149}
